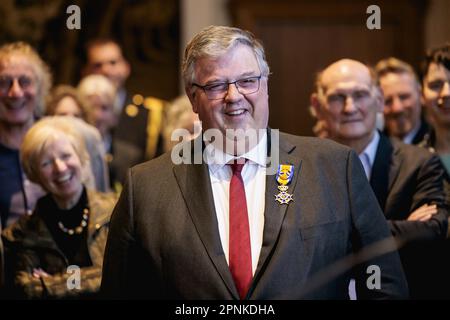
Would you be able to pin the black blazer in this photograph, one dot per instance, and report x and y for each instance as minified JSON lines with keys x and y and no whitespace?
{"x":423,"y":130}
{"x":133,"y":136}
{"x":164,"y":241}
{"x":404,"y":177}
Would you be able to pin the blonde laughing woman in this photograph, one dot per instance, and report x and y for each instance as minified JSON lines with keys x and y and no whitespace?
{"x":57,"y":252}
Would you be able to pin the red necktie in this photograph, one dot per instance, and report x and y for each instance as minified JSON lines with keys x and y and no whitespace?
{"x":240,"y":258}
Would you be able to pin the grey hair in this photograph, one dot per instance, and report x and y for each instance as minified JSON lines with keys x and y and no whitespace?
{"x":214,"y":41}
{"x":40,"y":69}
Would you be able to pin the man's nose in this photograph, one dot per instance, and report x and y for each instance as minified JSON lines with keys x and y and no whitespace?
{"x":105,"y":69}
{"x":15,"y":90}
{"x":349,"y":104}
{"x":233,"y":92}
{"x":397,"y":105}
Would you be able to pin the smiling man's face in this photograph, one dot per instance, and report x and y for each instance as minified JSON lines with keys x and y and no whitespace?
{"x":235,"y":110}
{"x":18,"y":91}
{"x":348,"y":104}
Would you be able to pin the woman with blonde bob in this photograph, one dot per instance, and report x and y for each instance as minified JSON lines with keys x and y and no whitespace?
{"x":57,"y":252}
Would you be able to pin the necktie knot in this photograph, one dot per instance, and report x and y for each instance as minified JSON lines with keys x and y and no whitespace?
{"x":237,"y":165}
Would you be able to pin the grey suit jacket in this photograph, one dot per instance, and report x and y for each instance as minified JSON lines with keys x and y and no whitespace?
{"x":164,"y":241}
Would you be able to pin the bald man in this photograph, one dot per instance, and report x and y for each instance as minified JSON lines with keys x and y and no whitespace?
{"x":407,"y":180}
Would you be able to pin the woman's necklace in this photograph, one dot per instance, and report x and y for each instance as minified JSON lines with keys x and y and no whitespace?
{"x":78,"y":229}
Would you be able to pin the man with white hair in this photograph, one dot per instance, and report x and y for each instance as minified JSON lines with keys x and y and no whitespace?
{"x":98,"y":93}
{"x":24,"y":82}
{"x":407,"y":180}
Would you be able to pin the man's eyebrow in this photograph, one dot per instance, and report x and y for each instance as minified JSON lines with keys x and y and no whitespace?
{"x":214,"y":80}
{"x":249,"y":74}
{"x":359,"y":88}
{"x":243,"y":75}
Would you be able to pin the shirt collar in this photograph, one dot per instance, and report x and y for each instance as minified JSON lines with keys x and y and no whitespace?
{"x":217,"y":159}
{"x":410,"y":136}
{"x":371,"y":149}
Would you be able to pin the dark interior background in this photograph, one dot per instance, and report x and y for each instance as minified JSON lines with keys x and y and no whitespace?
{"x":300,"y":37}
{"x":148,"y":30}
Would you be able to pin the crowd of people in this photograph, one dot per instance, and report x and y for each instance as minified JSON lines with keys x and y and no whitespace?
{"x":89,"y":180}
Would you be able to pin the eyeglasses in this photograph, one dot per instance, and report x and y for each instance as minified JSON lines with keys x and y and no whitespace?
{"x":6,"y":82}
{"x":339,"y":99}
{"x":219,"y":90}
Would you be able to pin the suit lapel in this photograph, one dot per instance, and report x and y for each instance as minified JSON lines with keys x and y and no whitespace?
{"x":193,"y":180}
{"x":274,"y":212}
{"x":385,"y":170}
{"x":379,"y":179}
{"x":394,"y":169}
{"x":423,"y":130}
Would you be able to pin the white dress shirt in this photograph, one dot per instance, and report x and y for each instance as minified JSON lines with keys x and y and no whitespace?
{"x":254,"y":177}
{"x":367,"y":157}
{"x":410,"y":136}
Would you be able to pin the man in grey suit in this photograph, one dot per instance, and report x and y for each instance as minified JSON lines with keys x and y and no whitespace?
{"x":407,"y":180}
{"x":174,"y":232}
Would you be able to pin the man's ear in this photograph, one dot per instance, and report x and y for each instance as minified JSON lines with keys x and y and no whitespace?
{"x":191,"y":96}
{"x":315,"y":106}
{"x":321,"y":127}
{"x":379,"y":99}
